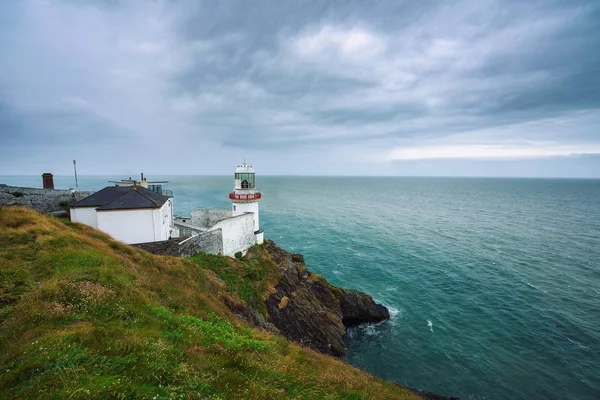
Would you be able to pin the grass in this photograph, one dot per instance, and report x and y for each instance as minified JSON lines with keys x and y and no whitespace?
{"x":251,"y":279}
{"x":84,"y":316}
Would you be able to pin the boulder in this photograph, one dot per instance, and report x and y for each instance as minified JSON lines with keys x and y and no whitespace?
{"x":359,"y":308}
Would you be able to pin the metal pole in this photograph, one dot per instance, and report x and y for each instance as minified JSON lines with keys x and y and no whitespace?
{"x":76,"y":184}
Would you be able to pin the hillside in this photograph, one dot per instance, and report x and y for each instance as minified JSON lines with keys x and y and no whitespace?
{"x":82,"y":316}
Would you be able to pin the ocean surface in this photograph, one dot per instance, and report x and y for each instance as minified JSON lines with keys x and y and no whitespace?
{"x":493,"y":284}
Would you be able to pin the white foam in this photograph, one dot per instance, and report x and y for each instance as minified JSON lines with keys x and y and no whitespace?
{"x":336,"y":272}
{"x":535,"y":287}
{"x":370,"y":330}
{"x":577,"y":343}
{"x":430,"y":325}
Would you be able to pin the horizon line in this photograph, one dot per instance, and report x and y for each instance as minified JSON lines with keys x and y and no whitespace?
{"x":330,"y":176}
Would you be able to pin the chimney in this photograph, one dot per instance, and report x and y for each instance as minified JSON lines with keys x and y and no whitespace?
{"x":48,"y":180}
{"x":144,"y":182}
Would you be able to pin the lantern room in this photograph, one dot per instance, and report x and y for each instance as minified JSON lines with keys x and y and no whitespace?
{"x":244,"y":177}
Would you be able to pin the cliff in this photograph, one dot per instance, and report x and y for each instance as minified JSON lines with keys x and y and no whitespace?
{"x":307,"y":309}
{"x":84,"y":316}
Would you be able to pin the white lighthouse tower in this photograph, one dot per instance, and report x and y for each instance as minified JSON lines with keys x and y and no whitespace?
{"x":245,"y":197}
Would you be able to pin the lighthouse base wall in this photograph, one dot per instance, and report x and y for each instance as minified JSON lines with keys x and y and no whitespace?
{"x":237,"y":233}
{"x":250,"y":207}
{"x":260,"y":237}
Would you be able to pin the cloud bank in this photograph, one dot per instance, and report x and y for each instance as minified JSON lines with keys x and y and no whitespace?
{"x":409,"y":88}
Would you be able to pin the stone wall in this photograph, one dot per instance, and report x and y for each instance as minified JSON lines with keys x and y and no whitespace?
{"x":42,"y":200}
{"x":207,"y":242}
{"x":209,"y":217}
{"x":237,"y":232}
{"x":186,"y":228}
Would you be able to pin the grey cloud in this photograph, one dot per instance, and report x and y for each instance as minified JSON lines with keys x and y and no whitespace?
{"x":311,"y":77}
{"x":515,"y":71}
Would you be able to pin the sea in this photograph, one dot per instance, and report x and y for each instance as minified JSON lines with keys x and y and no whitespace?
{"x":493,"y":284}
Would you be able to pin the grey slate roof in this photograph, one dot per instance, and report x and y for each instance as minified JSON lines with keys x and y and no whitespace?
{"x":122,"y":198}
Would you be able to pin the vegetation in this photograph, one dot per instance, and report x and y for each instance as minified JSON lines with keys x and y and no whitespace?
{"x":251,"y":280}
{"x":64,"y":203}
{"x":17,"y":194}
{"x":84,"y":316}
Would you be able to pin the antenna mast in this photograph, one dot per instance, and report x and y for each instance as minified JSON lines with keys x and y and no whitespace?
{"x":76,"y":184}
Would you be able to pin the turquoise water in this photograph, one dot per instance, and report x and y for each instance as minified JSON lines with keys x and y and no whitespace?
{"x":493,"y":284}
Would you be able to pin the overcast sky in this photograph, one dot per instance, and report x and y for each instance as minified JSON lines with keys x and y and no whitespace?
{"x":492,"y":88}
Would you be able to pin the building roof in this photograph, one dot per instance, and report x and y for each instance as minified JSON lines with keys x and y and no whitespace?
{"x":122,"y":198}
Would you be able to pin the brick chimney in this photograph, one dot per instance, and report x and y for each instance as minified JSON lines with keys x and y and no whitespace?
{"x":48,"y":180}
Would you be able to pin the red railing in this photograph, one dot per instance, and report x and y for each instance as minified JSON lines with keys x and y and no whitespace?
{"x":242,"y":197}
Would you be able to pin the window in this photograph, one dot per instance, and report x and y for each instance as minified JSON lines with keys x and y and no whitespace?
{"x":245,"y":184}
{"x":248,"y":177}
{"x":234,"y":207}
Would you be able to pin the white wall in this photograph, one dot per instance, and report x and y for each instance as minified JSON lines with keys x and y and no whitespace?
{"x":260,"y":238}
{"x":130,"y":226}
{"x":85,"y":215}
{"x":163,"y":221}
{"x":172,"y":230}
{"x":241,"y":208}
{"x":238,"y":234}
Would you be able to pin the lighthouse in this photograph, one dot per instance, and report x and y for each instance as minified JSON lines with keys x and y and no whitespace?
{"x":245,"y":197}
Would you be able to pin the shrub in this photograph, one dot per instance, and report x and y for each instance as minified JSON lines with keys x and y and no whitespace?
{"x":17,"y":194}
{"x":238,"y":255}
{"x":64,"y":203}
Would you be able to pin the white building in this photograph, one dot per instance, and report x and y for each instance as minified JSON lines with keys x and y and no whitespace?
{"x":239,"y":228}
{"x":129,"y":213}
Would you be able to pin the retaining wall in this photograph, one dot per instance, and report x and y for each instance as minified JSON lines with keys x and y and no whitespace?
{"x":207,"y":242}
{"x":42,"y":200}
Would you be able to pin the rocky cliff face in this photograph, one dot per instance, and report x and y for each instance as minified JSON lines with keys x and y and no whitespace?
{"x":307,"y":309}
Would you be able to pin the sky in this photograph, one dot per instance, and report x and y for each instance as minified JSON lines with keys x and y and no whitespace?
{"x":418,"y":88}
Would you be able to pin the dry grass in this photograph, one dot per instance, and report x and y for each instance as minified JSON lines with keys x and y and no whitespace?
{"x":84,"y":316}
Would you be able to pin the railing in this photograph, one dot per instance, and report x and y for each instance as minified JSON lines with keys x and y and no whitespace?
{"x":253,"y":196}
{"x":164,"y":192}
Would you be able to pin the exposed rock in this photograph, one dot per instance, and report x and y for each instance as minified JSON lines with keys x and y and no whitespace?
{"x":359,"y":308}
{"x":428,"y":395}
{"x":246,"y":313}
{"x":307,"y":309}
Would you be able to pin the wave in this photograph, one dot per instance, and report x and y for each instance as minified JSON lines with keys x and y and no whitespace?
{"x":536,"y":287}
{"x":577,"y":343}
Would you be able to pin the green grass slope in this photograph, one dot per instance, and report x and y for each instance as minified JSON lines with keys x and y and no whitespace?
{"x":84,"y":316}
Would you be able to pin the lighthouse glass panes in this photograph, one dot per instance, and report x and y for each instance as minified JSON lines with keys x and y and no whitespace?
{"x":247,"y":180}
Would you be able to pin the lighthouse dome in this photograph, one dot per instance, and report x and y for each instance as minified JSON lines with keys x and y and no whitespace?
{"x":244,"y":168}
